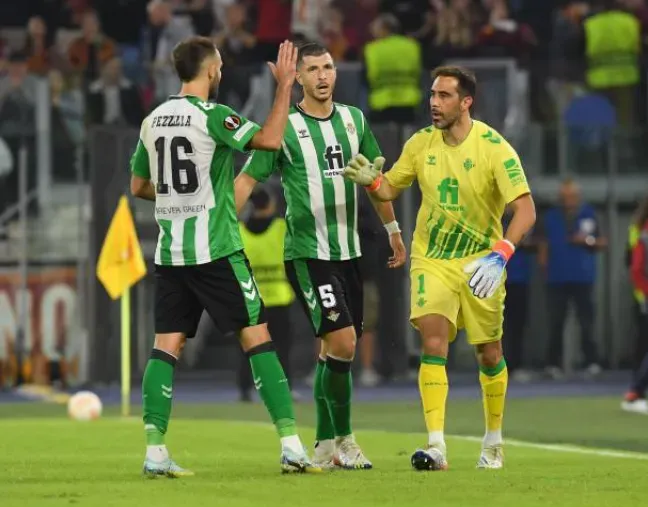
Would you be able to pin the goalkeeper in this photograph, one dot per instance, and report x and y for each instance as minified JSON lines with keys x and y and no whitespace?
{"x":467,"y":174}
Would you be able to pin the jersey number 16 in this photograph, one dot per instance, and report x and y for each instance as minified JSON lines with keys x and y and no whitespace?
{"x":184,"y":174}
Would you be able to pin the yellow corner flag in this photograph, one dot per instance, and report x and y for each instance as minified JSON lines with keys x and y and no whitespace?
{"x":121,"y":264}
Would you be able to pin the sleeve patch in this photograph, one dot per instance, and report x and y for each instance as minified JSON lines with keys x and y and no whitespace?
{"x":514,"y":172}
{"x":232,"y":122}
{"x":246,"y":128}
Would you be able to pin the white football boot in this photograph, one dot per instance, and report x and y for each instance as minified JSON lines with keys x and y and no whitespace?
{"x":491,"y":457}
{"x":323,"y":454}
{"x":349,"y":455}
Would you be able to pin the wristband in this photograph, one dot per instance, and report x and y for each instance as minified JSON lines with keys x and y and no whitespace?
{"x":376,"y":184}
{"x":505,"y":248}
{"x":392,"y":227}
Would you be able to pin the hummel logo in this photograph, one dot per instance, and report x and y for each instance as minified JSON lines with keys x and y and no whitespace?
{"x":249,"y":291}
{"x":303,"y":133}
{"x":431,"y":160}
{"x":167,"y":391}
{"x":310,"y":299}
{"x":257,"y":383}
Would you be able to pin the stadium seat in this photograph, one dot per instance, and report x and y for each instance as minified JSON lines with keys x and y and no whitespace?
{"x":590,"y":120}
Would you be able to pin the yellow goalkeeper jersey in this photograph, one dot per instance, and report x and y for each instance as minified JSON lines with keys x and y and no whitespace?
{"x":464,"y":189}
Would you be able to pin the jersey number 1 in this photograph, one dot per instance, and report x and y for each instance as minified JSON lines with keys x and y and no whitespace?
{"x":184,"y":174}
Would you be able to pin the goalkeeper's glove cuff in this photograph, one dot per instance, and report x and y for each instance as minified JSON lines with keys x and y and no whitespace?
{"x":504,"y":248}
{"x":376,"y":184}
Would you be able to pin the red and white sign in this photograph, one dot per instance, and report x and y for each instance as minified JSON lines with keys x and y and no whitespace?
{"x":52,"y":333}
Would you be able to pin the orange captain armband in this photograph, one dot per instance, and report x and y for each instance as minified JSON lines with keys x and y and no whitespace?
{"x":505,"y":248}
{"x":376,"y":184}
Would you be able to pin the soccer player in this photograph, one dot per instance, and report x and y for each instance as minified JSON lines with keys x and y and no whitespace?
{"x":184,"y":162}
{"x":467,"y":174}
{"x":322,"y":246}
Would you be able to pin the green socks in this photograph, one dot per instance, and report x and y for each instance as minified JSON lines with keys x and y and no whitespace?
{"x":157,"y":394}
{"x":337,"y":385}
{"x":272,"y":385}
{"x":324,"y":429}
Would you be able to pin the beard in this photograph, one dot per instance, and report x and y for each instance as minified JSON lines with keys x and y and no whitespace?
{"x":213,"y":89}
{"x":445,"y":122}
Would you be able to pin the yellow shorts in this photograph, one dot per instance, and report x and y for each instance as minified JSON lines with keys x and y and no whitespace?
{"x":441,"y":287}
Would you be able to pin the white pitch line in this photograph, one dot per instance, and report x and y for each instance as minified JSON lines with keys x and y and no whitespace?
{"x":573,"y":449}
{"x":592,"y":451}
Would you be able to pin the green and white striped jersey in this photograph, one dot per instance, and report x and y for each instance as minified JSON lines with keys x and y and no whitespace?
{"x":186,"y":150}
{"x":322,"y":214}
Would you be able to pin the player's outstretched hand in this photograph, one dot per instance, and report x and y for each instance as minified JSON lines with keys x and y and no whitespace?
{"x":399,"y":250}
{"x":361,"y":171}
{"x":285,"y":70}
{"x":487,"y":271}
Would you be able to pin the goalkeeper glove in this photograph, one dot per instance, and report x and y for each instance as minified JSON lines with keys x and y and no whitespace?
{"x":361,"y":171}
{"x":487,"y":271}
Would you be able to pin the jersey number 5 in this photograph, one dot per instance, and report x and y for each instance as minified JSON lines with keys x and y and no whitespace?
{"x":184,"y":174}
{"x":327,"y":296}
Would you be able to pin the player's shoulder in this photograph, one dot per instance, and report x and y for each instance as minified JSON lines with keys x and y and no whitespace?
{"x":356,"y":114}
{"x":352,"y":109}
{"x":203,"y":106}
{"x":423,"y":136}
{"x":488,"y":135}
{"x":293,"y":110}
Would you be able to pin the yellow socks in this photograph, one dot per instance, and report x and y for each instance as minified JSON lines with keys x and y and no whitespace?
{"x":433,"y":386}
{"x":494,"y":382}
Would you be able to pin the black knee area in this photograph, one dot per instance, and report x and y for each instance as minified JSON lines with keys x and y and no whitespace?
{"x":163,"y":356}
{"x":261,"y":349}
{"x":337,"y":365}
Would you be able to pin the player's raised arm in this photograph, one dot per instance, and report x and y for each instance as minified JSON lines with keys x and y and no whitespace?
{"x":284,"y":71}
{"x":389,"y":186}
{"x":258,"y":168}
{"x":369,"y":174}
{"x":384,"y":209}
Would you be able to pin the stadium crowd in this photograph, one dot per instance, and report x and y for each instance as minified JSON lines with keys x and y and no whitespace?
{"x":99,"y":44}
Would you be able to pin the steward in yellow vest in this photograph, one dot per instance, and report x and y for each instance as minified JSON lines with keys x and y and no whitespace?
{"x":393,"y":67}
{"x":612,"y":46}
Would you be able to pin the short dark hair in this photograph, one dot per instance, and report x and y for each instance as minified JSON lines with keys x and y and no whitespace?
{"x":466,"y":80}
{"x":189,"y":55}
{"x":310,"y":49}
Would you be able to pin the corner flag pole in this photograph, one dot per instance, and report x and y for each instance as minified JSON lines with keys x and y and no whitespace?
{"x":125,"y":352}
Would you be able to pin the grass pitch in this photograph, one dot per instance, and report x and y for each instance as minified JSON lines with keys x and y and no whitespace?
{"x":47,"y":460}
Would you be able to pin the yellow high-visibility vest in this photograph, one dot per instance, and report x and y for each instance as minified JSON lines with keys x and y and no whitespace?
{"x":634,"y":234}
{"x":612,"y":45}
{"x":265,"y":252}
{"x":394,"y":72}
